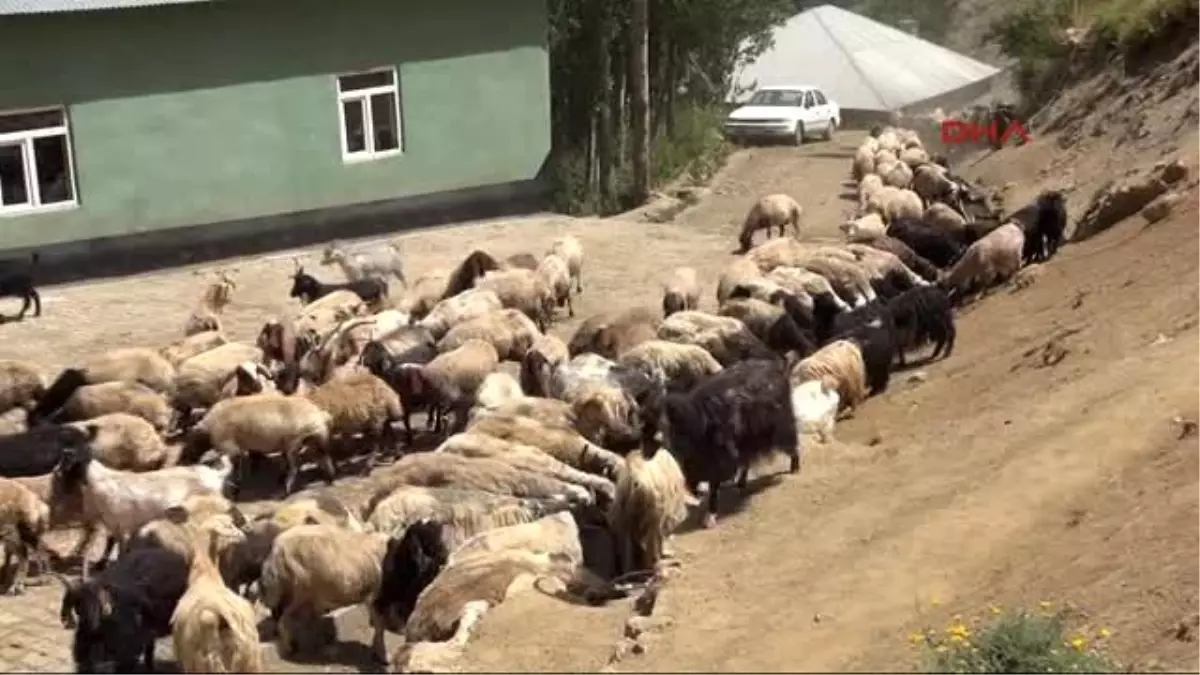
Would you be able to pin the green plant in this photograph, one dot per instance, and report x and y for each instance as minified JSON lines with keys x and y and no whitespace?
{"x":1019,"y":642}
{"x":694,"y":149}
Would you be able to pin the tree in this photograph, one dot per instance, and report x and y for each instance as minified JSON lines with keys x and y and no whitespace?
{"x":639,"y":65}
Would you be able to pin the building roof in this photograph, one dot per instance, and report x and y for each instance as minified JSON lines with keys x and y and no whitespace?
{"x":53,"y":6}
{"x":859,"y":63}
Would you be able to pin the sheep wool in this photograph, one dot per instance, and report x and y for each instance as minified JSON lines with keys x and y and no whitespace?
{"x":652,"y":500}
{"x":841,"y":362}
{"x":21,"y":384}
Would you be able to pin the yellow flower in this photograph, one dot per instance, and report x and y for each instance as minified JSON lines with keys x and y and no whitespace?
{"x":958,"y":639}
{"x":1105,"y":633}
{"x":934,"y":602}
{"x":1078,"y":642}
{"x":1045,"y":604}
{"x":958,"y":630}
{"x":996,"y":609}
{"x":916,"y":638}
{"x":942,"y":649}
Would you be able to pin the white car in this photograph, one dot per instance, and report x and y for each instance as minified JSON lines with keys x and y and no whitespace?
{"x":795,"y":113}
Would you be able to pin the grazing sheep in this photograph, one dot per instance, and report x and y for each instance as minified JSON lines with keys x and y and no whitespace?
{"x":925,"y":269}
{"x":771,"y":324}
{"x":213,"y":629}
{"x":524,"y":290}
{"x":123,"y":441}
{"x":864,"y":162}
{"x":131,"y":364}
{"x":120,"y":612}
{"x":848,"y":280}
{"x":726,"y":338}
{"x":24,"y":519}
{"x":945,"y":219}
{"x":776,"y":210}
{"x":570,"y":250}
{"x":681,"y":291}
{"x":922,"y":315}
{"x":69,"y":399}
{"x":864,"y":227}
{"x":930,"y":182}
{"x":455,"y":376}
{"x":509,"y":331}
{"x":914,"y":156}
{"x":309,"y":289}
{"x":202,"y":379}
{"x":454,"y":310}
{"x":936,"y":246}
{"x":548,"y":411}
{"x":379,"y":260}
{"x":652,"y":500}
{"x":199,"y":521}
{"x":611,"y":334}
{"x":673,"y":366}
{"x":738,"y":272}
{"x":567,"y":445}
{"x":728,"y":422}
{"x":868,"y":190}
{"x":555,"y":273}
{"x":544,"y":356}
{"x":21,"y":385}
{"x":895,"y":203}
{"x":124,"y":501}
{"x":557,"y":533}
{"x":896,"y":174}
{"x":425,"y":292}
{"x":993,"y":259}
{"x":462,"y":513}
{"x":809,"y":287}
{"x":359,"y":404}
{"x":528,"y":458}
{"x":841,"y":362}
{"x":206,"y":316}
{"x":443,"y":469}
{"x":401,"y":370}
{"x":315,"y":569}
{"x":815,"y":403}
{"x":498,"y":389}
{"x":183,"y":349}
{"x":883,"y":264}
{"x":264,"y":424}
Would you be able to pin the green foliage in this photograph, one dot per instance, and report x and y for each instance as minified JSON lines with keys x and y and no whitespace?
{"x":1133,"y":25}
{"x":932,"y":16}
{"x":694,"y":150}
{"x":1033,"y":35}
{"x":1020,"y":642}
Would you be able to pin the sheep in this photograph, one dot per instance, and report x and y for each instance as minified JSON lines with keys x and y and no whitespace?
{"x":945,"y":219}
{"x":673,"y":366}
{"x":462,"y":513}
{"x":470,"y":270}
{"x":925,"y":269}
{"x":681,"y":291}
{"x":24,"y":519}
{"x":453,"y":377}
{"x":938,"y":247}
{"x":993,"y":259}
{"x":124,"y":501}
{"x":402,"y":372}
{"x":874,"y":334}
{"x":443,"y":469}
{"x":69,"y":399}
{"x":894,"y":203}
{"x":201,"y":379}
{"x":883,"y":264}
{"x":425,"y":292}
{"x":264,"y":424}
{"x":379,"y":260}
{"x":560,"y":441}
{"x":206,"y":316}
{"x":134,"y":364}
{"x":775,"y":210}
{"x":864,"y":162}
{"x":769,"y":323}
{"x":611,"y":334}
{"x":870,"y":143}
{"x":1045,"y":235}
{"x":410,"y":565}
{"x":727,"y":339}
{"x":729,"y":421}
{"x":548,"y":411}
{"x":570,"y":250}
{"x":21,"y":385}
{"x":914,"y":156}
{"x":360,"y":403}
{"x":181,"y":350}
{"x":555,"y":273}
{"x":652,"y":500}
{"x":864,"y":227}
{"x":119,"y":613}
{"x":38,"y":450}
{"x":474,"y":444}
{"x":776,"y":252}
{"x":557,"y":533}
{"x":896,"y":174}
{"x":930,"y":182}
{"x":848,"y":280}
{"x":921,"y":315}
{"x":840,"y":361}
{"x":524,"y":290}
{"x":497,"y":389}
{"x":315,"y":569}
{"x":454,"y":310}
{"x":815,"y":403}
{"x":868,"y":189}
{"x":545,"y":355}
{"x":309,"y":289}
{"x":509,"y":331}
{"x":199,"y":520}
{"x":815,"y":287}
{"x":124,"y":441}
{"x":738,"y":272}
{"x":213,"y":629}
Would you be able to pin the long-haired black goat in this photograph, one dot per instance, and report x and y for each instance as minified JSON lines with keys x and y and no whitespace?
{"x":308,"y":288}
{"x":921,"y":315}
{"x":728,"y":421}
{"x":19,"y":283}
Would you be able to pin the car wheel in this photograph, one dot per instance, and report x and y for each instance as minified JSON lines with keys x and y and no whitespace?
{"x":830,"y":129}
{"x":798,"y":137}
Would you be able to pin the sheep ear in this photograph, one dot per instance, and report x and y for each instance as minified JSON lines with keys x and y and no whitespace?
{"x":176,"y":514}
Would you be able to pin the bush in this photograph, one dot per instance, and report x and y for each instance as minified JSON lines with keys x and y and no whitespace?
{"x":1021,"y":642}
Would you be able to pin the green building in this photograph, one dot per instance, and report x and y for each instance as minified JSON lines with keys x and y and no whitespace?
{"x":140,"y":125}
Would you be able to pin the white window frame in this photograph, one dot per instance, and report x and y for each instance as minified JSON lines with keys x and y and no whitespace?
{"x":363,"y":96}
{"x":33,"y":189}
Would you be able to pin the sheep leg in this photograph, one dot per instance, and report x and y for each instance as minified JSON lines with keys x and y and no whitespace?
{"x":378,"y":646}
{"x":743,"y":479}
{"x":406,"y":416}
{"x":293,"y":470}
{"x":100,"y":564}
{"x":570,"y":306}
{"x":147,"y":657}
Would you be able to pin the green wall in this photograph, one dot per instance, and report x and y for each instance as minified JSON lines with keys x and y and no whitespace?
{"x":192,"y":114}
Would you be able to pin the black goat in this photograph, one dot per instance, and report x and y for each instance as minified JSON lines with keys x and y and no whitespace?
{"x":728,"y":421}
{"x":38,"y":451}
{"x":938,"y":247}
{"x":57,"y":394}
{"x":923,"y":315}
{"x":411,"y":563}
{"x":872,"y":328}
{"x":1044,"y":222}
{"x":308,"y":288}
{"x":19,"y":284}
{"x":403,"y":373}
{"x":121,"y":611}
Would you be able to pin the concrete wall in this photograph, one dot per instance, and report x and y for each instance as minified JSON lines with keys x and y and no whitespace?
{"x":193,"y":114}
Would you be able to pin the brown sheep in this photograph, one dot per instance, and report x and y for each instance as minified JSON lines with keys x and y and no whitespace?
{"x":611,"y":334}
{"x":776,"y":210}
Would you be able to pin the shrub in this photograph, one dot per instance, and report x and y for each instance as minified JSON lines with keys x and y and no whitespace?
{"x":1021,"y":642}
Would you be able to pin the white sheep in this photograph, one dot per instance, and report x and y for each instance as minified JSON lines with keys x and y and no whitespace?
{"x":815,"y":404}
{"x":945,"y":219}
{"x":864,"y":162}
{"x":510,"y":331}
{"x":201,"y":379}
{"x":124,"y":441}
{"x":739,"y":271}
{"x":896,"y":174}
{"x":185,"y":348}
{"x":994,"y":259}
{"x":570,"y":249}
{"x":672,"y":365}
{"x":553,"y":534}
{"x":556,"y":274}
{"x":372,"y":260}
{"x":454,"y":310}
{"x":867,"y":187}
{"x":864,"y":228}
{"x":726,"y":338}
{"x":498,"y":389}
{"x":895,"y":203}
{"x":525,"y":457}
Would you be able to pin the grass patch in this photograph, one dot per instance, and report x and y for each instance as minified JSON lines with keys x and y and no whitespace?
{"x":1019,"y":642}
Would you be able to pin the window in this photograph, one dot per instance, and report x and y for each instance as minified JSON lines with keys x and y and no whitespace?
{"x":35,"y":161}
{"x":369,"y":113}
{"x":820,"y":97}
{"x":777,"y":97}
{"x":808,"y":99}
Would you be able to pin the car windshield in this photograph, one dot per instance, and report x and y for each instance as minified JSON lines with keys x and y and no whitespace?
{"x":777,"y":97}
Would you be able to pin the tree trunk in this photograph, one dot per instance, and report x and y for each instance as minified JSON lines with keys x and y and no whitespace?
{"x":604,"y":130}
{"x":640,"y":105}
{"x":620,"y":70}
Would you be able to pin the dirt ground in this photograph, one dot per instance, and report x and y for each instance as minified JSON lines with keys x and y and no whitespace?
{"x":997,"y":477}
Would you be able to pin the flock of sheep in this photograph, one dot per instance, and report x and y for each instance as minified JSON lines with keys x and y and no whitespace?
{"x":597,"y":444}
